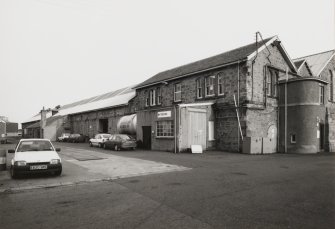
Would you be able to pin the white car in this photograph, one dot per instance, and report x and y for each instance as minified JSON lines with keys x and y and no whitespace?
{"x":34,"y":156}
{"x":63,"y":137}
{"x":99,"y":140}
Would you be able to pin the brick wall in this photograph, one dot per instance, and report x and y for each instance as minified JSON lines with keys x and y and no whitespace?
{"x":330,"y":124}
{"x":88,"y":123}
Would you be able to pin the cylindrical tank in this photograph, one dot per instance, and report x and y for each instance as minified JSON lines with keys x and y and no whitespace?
{"x":127,"y":125}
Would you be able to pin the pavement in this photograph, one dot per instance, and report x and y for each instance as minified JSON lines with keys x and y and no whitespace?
{"x":81,"y":166}
{"x":216,"y":190}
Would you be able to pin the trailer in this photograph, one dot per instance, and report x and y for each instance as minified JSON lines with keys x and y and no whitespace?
{"x":9,"y":132}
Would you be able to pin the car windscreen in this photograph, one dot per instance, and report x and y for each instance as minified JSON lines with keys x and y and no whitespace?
{"x":124,"y":137}
{"x":34,"y":146}
{"x":106,"y":135}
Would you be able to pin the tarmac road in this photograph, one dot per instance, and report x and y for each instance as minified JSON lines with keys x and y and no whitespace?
{"x":221,"y":190}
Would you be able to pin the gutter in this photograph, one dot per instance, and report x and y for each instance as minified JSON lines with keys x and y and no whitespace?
{"x":192,"y":73}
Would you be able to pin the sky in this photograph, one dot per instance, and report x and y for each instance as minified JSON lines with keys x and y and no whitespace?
{"x":54,"y":52}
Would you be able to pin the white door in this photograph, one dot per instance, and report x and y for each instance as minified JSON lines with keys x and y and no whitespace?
{"x":197,"y":127}
{"x":270,"y":143}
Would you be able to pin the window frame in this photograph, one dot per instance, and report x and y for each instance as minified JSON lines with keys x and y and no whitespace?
{"x":199,"y":89}
{"x":212,"y":78}
{"x":220,"y":77}
{"x":160,"y":129}
{"x":271,"y":83}
{"x":159,"y":96}
{"x":322,"y":94}
{"x":152,"y":97}
{"x":175,"y":92}
{"x":331,"y":86}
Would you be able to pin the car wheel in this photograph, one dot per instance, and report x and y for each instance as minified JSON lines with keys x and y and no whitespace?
{"x":100,"y":145}
{"x":134,"y":148}
{"x":91,"y":144}
{"x":13,"y":173}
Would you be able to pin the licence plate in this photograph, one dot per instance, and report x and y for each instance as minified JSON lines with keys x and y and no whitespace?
{"x":36,"y":167}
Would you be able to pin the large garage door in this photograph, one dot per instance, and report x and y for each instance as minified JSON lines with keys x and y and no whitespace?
{"x":197,"y":127}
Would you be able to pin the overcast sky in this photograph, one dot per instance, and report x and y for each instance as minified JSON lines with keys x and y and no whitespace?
{"x":54,"y":52}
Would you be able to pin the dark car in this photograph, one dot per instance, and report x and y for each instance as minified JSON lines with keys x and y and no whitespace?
{"x":120,"y":141}
{"x":76,"y":138}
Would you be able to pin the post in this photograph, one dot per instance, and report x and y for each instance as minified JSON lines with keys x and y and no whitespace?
{"x":238,"y":118}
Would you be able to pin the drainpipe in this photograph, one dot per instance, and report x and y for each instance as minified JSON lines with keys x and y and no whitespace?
{"x":286,"y":111}
{"x":175,"y":129}
{"x":238,"y":105}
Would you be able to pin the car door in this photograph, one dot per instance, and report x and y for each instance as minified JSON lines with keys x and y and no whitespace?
{"x":109,"y":142}
{"x":95,"y":140}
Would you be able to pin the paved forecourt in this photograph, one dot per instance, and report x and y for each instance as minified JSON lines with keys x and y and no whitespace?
{"x":82,"y":166}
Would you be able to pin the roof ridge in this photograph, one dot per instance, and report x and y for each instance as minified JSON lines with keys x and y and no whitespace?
{"x":299,"y":58}
{"x":216,"y":55}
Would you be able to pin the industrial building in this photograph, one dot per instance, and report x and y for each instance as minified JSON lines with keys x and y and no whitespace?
{"x":253,"y":99}
{"x":98,"y":114}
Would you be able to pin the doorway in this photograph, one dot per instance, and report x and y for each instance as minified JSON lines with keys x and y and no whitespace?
{"x":146,"y":130}
{"x":103,"y":125}
{"x":322,"y":136}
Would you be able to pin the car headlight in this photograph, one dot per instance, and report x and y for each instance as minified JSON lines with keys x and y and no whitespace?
{"x":21,"y":163}
{"x":54,"y":161}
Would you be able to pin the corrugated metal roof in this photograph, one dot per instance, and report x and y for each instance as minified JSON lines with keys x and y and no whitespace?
{"x":121,"y":99}
{"x":37,"y":117}
{"x":317,"y":61}
{"x":110,"y":99}
{"x":211,"y":62}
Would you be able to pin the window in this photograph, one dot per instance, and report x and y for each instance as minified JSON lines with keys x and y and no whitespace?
{"x":152,"y":97}
{"x":165,"y":129}
{"x":293,"y":138}
{"x":177,"y":92}
{"x":159,"y":96}
{"x":331,"y":86}
{"x":274,"y":83}
{"x":199,"y":87}
{"x":220,"y":85}
{"x":271,"y":83}
{"x":268,"y":83}
{"x":209,"y":82}
{"x":322,"y":94}
{"x":146,"y":99}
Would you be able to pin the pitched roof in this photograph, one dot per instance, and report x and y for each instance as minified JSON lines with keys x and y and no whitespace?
{"x":317,"y":62}
{"x":211,"y":62}
{"x":117,"y":100}
{"x":298,"y":63}
{"x":37,"y":117}
{"x":110,"y":99}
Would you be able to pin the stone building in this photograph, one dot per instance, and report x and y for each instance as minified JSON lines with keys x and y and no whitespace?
{"x":227,"y":102}
{"x":311,"y":102}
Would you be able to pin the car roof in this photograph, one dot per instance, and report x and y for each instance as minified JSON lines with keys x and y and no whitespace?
{"x":34,"y":139}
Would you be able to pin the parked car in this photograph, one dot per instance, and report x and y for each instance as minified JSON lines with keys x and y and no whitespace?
{"x":63,"y":137}
{"x":120,"y":141}
{"x":76,"y":138}
{"x":99,"y":140}
{"x":35,"y":155}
